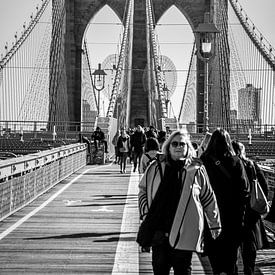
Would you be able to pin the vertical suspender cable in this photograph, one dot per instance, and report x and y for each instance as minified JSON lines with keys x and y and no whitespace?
{"x":121,"y":60}
{"x":155,"y":59}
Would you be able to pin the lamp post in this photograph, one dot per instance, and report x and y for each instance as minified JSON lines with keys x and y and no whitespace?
{"x":98,"y":77}
{"x":205,"y":35}
{"x":166,"y":91}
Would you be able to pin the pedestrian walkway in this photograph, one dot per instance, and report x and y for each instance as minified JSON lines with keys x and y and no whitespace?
{"x":87,"y":224}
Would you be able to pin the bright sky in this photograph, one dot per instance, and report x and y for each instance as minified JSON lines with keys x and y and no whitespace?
{"x":13,"y":13}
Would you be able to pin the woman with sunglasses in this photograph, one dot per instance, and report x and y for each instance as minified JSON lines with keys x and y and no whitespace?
{"x":176,"y":191}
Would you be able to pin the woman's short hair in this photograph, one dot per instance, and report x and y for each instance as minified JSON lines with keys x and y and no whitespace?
{"x":191,"y":153}
{"x":151,"y":144}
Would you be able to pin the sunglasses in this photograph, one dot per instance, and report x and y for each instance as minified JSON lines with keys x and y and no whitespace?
{"x":176,"y":144}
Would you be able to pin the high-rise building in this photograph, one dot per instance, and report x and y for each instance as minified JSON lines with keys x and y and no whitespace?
{"x":249,"y":103}
{"x":88,"y":117}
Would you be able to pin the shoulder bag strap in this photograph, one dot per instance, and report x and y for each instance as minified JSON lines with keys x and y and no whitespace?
{"x":221,"y":167}
{"x":148,"y":156}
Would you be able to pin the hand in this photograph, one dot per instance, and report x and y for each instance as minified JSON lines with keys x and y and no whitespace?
{"x":215,"y":233}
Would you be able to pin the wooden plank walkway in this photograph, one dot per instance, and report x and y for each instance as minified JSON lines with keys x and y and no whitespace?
{"x":86,"y":225}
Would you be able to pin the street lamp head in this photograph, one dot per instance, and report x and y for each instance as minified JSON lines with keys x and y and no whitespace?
{"x":98,"y":77}
{"x":98,"y":82}
{"x":205,"y":35}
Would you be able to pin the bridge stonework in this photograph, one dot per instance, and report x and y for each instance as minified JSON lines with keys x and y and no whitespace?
{"x":78,"y":15}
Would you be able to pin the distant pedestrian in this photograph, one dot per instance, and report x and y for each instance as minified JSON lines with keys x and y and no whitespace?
{"x":114,"y":142}
{"x":98,"y":137}
{"x":168,"y":131}
{"x":151,"y":132}
{"x":123,"y":145}
{"x":138,"y":140}
{"x":150,"y":152}
{"x":161,"y":138}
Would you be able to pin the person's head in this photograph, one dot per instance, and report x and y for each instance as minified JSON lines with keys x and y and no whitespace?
{"x":122,"y":130}
{"x":239,"y":149}
{"x":162,"y":133}
{"x":98,"y":128}
{"x":151,"y":144}
{"x":220,"y":144}
{"x":139,"y":128}
{"x":178,"y":146}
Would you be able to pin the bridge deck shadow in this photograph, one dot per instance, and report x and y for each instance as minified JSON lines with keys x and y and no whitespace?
{"x":79,"y":230}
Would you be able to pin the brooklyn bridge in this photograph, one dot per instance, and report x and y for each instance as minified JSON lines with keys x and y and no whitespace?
{"x":64,"y":206}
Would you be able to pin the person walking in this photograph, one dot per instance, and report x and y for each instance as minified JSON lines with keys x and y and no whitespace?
{"x":254,"y":236}
{"x":152,"y":132}
{"x":178,"y":201}
{"x":228,"y":179}
{"x":138,"y":139}
{"x":123,"y":146}
{"x":114,"y":142}
{"x":150,"y":152}
{"x":161,"y":138}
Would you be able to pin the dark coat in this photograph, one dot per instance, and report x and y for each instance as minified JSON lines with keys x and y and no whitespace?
{"x":231,"y":191}
{"x":271,"y":215}
{"x":254,"y":231}
{"x":98,"y":135}
{"x":138,"y":140}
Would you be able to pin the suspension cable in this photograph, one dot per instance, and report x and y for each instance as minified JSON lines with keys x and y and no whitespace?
{"x":121,"y":59}
{"x":159,"y":84}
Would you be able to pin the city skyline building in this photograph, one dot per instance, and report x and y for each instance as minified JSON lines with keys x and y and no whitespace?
{"x":249,"y":103}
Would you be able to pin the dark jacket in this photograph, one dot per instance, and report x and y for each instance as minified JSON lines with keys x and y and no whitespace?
{"x":254,"y":231}
{"x":138,"y":140}
{"x":231,"y":189}
{"x":98,"y":135}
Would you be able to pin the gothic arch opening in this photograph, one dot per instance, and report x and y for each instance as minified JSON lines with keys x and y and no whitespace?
{"x":102,"y":39}
{"x":176,"y":38}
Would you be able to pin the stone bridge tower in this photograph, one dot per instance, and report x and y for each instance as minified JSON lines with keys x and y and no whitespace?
{"x":78,"y":13}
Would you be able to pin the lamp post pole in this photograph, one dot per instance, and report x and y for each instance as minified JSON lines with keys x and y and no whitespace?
{"x":205,"y":41}
{"x":206,"y":97}
{"x":166,"y":90}
{"x":98,"y":102}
